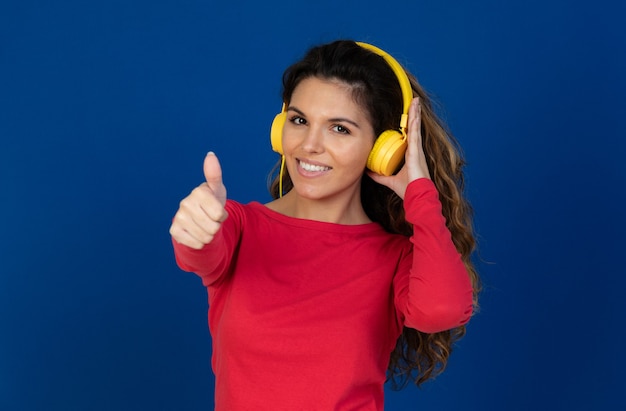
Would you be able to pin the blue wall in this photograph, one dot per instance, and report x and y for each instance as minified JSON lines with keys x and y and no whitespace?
{"x":107,"y":110}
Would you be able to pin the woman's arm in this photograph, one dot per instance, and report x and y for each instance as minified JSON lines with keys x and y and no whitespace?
{"x":432,"y":287}
{"x":201,"y":242}
{"x":436,"y":294}
{"x":212,"y":261}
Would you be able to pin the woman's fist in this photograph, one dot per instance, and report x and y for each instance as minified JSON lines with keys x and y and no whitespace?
{"x":202,"y":212}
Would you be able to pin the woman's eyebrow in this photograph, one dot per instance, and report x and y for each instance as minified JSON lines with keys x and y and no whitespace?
{"x":334,"y":119}
{"x":343,"y":120}
{"x":292,"y":108}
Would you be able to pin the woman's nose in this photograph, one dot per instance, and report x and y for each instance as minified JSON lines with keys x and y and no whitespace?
{"x":314,"y":140}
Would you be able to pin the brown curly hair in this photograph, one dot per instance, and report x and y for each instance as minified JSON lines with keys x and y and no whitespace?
{"x":417,"y":356}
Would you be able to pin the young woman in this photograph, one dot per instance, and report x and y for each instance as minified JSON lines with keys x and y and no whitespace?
{"x":348,"y":277}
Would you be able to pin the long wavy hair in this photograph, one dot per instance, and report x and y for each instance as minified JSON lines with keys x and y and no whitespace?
{"x":417,"y":356}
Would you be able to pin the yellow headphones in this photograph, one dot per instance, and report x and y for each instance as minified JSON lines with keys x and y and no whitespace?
{"x":390,"y":146}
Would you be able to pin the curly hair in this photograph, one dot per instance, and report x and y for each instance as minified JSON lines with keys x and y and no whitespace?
{"x":417,"y":356}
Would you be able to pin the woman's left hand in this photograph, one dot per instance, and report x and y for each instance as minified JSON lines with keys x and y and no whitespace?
{"x":414,"y":160}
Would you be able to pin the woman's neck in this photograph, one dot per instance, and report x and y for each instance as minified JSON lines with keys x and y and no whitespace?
{"x":334,"y":210}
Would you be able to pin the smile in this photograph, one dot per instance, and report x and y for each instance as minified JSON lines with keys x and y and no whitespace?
{"x":312,"y":167}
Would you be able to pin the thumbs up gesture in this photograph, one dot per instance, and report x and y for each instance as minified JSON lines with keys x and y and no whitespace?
{"x":202,"y":212}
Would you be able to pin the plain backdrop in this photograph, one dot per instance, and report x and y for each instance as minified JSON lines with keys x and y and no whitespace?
{"x":108,"y":108}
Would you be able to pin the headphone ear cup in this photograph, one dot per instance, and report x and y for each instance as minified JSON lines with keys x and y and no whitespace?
{"x":276,"y":132}
{"x":387,"y":153}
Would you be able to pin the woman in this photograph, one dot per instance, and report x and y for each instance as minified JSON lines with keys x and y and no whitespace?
{"x":348,"y":277}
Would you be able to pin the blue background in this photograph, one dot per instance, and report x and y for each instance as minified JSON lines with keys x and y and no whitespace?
{"x":108,"y":108}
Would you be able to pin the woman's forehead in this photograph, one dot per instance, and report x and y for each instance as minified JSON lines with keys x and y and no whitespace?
{"x":331,"y":93}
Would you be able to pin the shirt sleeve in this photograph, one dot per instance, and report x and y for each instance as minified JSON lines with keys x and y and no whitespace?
{"x":213,"y":262}
{"x":432,"y":288}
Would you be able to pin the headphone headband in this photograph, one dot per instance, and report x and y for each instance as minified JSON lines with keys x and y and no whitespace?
{"x":403,"y":80}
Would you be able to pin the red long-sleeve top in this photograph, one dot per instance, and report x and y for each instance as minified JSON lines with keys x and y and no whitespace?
{"x":304,"y":314}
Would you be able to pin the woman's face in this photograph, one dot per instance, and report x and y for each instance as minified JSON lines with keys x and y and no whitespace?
{"x":326,"y":140}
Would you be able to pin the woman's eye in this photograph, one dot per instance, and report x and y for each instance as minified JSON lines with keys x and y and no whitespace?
{"x":341,"y":129}
{"x":297,"y":120}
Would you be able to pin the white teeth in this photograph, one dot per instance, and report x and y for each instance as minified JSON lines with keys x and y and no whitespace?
{"x":311,"y":167}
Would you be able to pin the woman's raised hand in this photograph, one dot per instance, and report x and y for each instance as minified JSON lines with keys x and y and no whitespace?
{"x":202,"y":212}
{"x":415,"y":161}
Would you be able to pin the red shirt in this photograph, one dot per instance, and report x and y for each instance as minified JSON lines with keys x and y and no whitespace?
{"x":304,"y":314}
